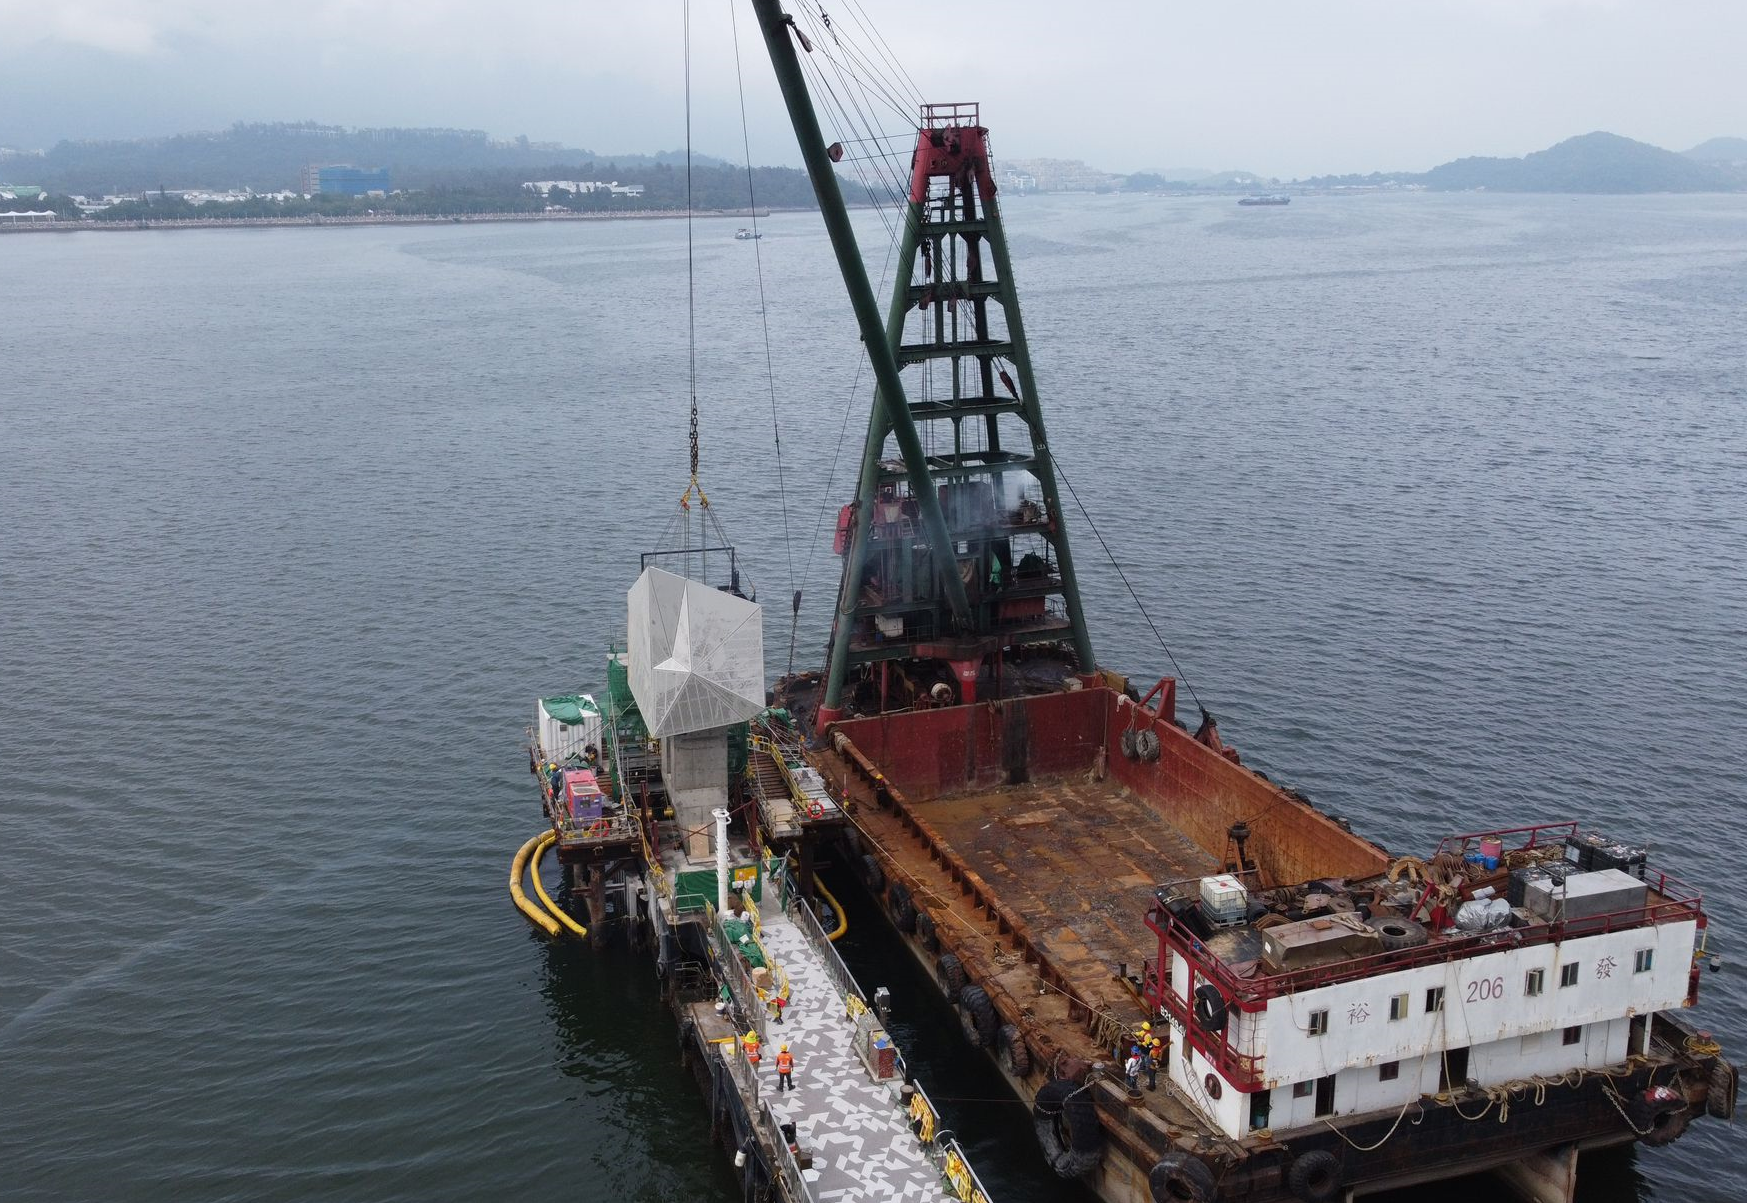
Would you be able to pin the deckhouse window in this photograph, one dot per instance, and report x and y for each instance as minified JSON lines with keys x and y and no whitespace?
{"x":1573,"y":1035}
{"x":1435,"y":999}
{"x":1302,"y":1090}
{"x":1642,"y":961}
{"x":1388,"y":1071}
{"x":1398,"y":1007}
{"x":1569,"y":974}
{"x":1532,"y":982}
{"x":1319,"y":1022}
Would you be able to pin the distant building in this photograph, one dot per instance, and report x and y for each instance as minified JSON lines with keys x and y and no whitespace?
{"x":1059,"y":175}
{"x":344,"y":179}
{"x":545,"y":187}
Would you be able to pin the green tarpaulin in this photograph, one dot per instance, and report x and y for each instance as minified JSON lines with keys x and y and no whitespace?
{"x":570,"y":709}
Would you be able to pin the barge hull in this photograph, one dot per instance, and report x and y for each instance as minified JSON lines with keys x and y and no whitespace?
{"x":1022,"y":838}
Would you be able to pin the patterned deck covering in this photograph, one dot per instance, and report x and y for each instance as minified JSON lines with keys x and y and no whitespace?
{"x":856,"y":1128}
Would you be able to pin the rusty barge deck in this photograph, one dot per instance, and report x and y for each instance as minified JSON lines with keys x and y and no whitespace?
{"x":1025,"y":841}
{"x":1014,"y":842}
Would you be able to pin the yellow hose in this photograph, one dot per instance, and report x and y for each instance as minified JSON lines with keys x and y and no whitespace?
{"x":843,"y":919}
{"x":518,"y":866}
{"x":544,"y":843}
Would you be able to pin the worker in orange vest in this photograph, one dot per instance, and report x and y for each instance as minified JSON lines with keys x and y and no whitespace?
{"x":785,"y":1067}
{"x":750,"y":1043}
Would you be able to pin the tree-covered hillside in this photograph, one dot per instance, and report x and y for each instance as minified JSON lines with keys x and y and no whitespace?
{"x":1596,"y":162}
{"x":271,"y":158}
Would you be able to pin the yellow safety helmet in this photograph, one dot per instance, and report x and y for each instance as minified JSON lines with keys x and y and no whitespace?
{"x":785,"y":1049}
{"x":751,"y":1035}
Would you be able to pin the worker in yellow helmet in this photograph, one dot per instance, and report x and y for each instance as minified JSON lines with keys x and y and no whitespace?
{"x":750,"y":1043}
{"x":785,"y":1068}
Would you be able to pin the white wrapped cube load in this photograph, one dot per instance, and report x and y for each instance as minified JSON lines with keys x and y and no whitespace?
{"x":697,"y":655}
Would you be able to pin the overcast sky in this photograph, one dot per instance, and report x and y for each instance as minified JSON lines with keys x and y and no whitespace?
{"x":1280,"y":88}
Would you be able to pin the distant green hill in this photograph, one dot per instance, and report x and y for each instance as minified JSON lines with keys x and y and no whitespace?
{"x":1596,"y":162}
{"x":1720,"y":150}
{"x":270,"y":157}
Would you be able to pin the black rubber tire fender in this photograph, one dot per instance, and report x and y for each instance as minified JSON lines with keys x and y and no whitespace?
{"x":950,"y":973}
{"x":1721,"y":1092}
{"x":1128,"y":743}
{"x":1315,"y":1175}
{"x":1047,"y":1124}
{"x":898,"y":901}
{"x":1180,"y":1176}
{"x":1665,"y":1123}
{"x":1147,"y":744}
{"x":1210,"y":1007}
{"x":925,"y":931}
{"x":1080,"y":1116}
{"x":1399,"y":932}
{"x":977,"y":1015}
{"x":1011,"y":1051}
{"x":873,"y":877}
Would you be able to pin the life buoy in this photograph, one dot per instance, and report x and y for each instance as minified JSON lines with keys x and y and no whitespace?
{"x":1181,"y":1176}
{"x":1210,"y":1007}
{"x":815,"y":809}
{"x":1315,"y":1175}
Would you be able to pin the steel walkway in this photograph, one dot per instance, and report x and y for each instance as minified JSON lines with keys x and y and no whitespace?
{"x":856,"y":1128}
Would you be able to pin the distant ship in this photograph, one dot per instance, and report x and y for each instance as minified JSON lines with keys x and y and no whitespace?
{"x":1273,"y":199}
{"x":743,"y":234}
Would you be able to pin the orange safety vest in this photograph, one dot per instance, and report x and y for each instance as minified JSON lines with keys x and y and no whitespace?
{"x":785,"y":1063}
{"x":753,"y":1052}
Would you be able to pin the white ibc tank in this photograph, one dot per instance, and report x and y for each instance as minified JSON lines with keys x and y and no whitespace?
{"x":696,"y":654}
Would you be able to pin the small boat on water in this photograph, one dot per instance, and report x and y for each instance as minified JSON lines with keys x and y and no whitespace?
{"x":1277,"y":198}
{"x":744,"y":235}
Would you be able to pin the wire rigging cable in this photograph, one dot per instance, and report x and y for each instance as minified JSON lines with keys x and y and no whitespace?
{"x":857,"y":79}
{"x":691,"y":272}
{"x":1093,"y":527}
{"x":765,"y":325}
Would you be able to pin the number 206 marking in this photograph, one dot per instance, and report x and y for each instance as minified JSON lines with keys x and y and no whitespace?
{"x":1486,"y":988}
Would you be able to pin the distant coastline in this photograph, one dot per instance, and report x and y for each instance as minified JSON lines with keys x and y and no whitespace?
{"x":378,"y":219}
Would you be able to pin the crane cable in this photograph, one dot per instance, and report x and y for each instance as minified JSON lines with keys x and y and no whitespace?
{"x":765,"y":324}
{"x":691,"y":280}
{"x":1139,"y":605}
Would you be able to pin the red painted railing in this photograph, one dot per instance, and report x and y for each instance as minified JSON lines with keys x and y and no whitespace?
{"x":1243,"y":1071}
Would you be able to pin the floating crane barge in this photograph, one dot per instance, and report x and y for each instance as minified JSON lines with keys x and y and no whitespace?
{"x":1079,"y":871}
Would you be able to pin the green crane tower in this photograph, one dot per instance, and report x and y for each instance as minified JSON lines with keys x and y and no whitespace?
{"x":956,"y":552}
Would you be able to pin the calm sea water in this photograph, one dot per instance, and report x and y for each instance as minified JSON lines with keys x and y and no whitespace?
{"x":1438,"y":500}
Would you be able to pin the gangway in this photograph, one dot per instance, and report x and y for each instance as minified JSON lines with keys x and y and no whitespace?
{"x":851,"y":1114}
